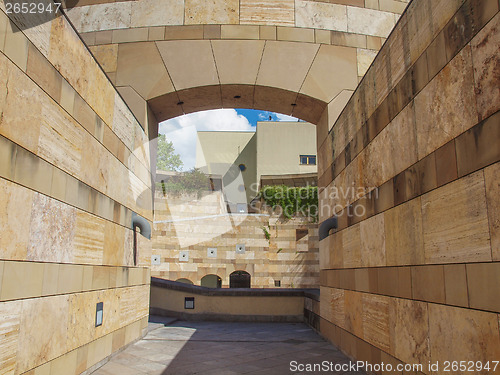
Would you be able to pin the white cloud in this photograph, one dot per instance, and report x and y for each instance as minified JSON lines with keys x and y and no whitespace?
{"x":281,"y":117}
{"x":182,"y":130}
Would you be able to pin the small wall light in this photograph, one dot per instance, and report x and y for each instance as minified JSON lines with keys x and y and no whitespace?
{"x":98,"y":314}
{"x":189,"y":303}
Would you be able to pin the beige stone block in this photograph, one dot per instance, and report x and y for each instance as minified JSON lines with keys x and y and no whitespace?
{"x":354,"y":312}
{"x":492,"y":178}
{"x":157,"y":13}
{"x":50,"y":279}
{"x":156,"y":33}
{"x":372,"y":4}
{"x":3,"y":30}
{"x":9,"y":331}
{"x":369,"y":22}
{"x":184,"y":32}
{"x":267,"y":12}
{"x":113,"y":244}
{"x":336,"y":106}
{"x":295,"y":34}
{"x":392,"y":6}
{"x":89,"y":239}
{"x":107,"y":55}
{"x":365,"y":59}
{"x":376,"y":322}
{"x":103,"y":37}
{"x":189,"y":63}
{"x":320,"y":15}
{"x":149,"y":80}
{"x":211,"y":31}
{"x":70,"y":278}
{"x":16,"y":46}
{"x":43,"y":73}
{"x":46,"y":337}
{"x":67,"y":97}
{"x":446,"y":107}
{"x":484,"y":53}
{"x":239,"y":32}
{"x":456,"y":226}
{"x":455,"y":279}
{"x":88,"y":275}
{"x":320,"y":83}
{"x":404,"y":234}
{"x":483,"y":280}
{"x":15,"y":217}
{"x":476,"y":330}
{"x":285,"y":64}
{"x":409,"y":330}
{"x":268,"y":32}
{"x":372,"y":234}
{"x":51,"y":231}
{"x":100,"y":278}
{"x":90,"y":18}
{"x":373,"y":43}
{"x":65,"y":364}
{"x":351,"y":245}
{"x":237,"y":62}
{"x":139,"y":34}
{"x":322,"y":36}
{"x":42,"y":370}
{"x":211,"y":12}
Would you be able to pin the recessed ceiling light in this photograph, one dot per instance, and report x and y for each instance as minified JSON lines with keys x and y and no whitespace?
{"x":180,"y":103}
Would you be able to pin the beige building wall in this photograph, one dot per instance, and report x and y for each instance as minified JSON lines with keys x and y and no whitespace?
{"x":279,"y":145}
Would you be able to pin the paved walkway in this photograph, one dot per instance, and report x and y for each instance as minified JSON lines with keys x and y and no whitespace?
{"x":214,"y":348}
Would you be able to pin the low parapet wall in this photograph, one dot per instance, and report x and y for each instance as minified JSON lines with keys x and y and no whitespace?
{"x":168,"y":298}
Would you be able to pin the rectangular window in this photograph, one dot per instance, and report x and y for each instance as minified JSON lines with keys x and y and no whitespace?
{"x":307,"y":159}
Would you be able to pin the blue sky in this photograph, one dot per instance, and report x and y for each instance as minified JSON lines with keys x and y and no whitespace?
{"x":182,"y":130}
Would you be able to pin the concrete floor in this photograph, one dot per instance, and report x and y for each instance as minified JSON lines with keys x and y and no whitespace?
{"x":215,"y":348}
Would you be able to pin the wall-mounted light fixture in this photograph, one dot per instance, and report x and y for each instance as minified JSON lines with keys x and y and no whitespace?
{"x":189,"y":303}
{"x":98,"y":314}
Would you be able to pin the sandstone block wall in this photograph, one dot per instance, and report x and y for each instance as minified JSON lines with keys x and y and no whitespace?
{"x":413,"y":277}
{"x":73,"y":165}
{"x":186,"y":223}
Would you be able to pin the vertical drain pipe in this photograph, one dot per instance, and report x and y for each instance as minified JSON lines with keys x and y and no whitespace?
{"x":145,"y":228}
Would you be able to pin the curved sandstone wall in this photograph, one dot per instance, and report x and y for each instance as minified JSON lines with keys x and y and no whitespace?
{"x":74,"y":166}
{"x":411,"y":274}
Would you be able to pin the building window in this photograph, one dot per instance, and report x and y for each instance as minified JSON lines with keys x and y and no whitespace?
{"x":277,"y":283}
{"x":307,"y":159}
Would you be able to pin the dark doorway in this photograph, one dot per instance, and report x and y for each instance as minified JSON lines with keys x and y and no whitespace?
{"x":239,"y":279}
{"x":211,"y":281}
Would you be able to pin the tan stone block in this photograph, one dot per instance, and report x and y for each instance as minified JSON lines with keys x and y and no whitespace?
{"x":376,"y":323}
{"x":3,"y":30}
{"x":372,"y":233}
{"x":157,"y":13}
{"x":139,"y":34}
{"x":237,"y":62}
{"x":483,"y":280}
{"x":268,"y":32}
{"x":240,"y":32}
{"x":88,"y":274}
{"x":320,"y":15}
{"x":156,"y":33}
{"x":351,"y":245}
{"x":81,"y":359}
{"x":189,"y":63}
{"x":43,"y":73}
{"x":492,"y":178}
{"x":286,"y":64}
{"x":211,"y":12}
{"x":348,"y":40}
{"x":484,"y":54}
{"x":342,"y":60}
{"x":354,"y":312}
{"x":16,"y":46}
{"x":372,"y":4}
{"x":455,"y":226}
{"x":267,"y":12}
{"x":42,"y":370}
{"x":455,"y":279}
{"x":438,"y":119}
{"x":113,"y":244}
{"x":148,"y":80}
{"x":365,"y":59}
{"x":88,"y":38}
{"x":369,"y":22}
{"x":322,"y":36}
{"x":373,"y":42}
{"x":10,"y":312}
{"x":392,"y":6}
{"x":211,"y":32}
{"x":409,"y":330}
{"x":476,"y":330}
{"x":428,"y":283}
{"x":100,"y":278}
{"x":50,"y":279}
{"x":16,"y":285}
{"x":41,"y":332}
{"x":295,"y":34}
{"x":65,"y":364}
{"x":183,"y":32}
{"x":107,"y":55}
{"x":70,"y":278}
{"x":103,"y":37}
{"x":89,"y":239}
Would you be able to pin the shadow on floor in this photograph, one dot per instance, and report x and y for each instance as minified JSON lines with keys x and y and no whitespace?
{"x":219,"y":348}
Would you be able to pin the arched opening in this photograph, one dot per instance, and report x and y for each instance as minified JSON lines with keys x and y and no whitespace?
{"x":240,"y":279}
{"x":185,"y":281}
{"x":211,"y":281}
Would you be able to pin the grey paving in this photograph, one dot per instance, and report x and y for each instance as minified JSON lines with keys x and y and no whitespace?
{"x":215,"y":348}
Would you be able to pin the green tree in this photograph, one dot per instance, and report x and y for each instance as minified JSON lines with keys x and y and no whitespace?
{"x":167,"y":159}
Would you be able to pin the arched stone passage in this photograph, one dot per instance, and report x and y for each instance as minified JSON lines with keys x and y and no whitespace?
{"x":211,"y":281}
